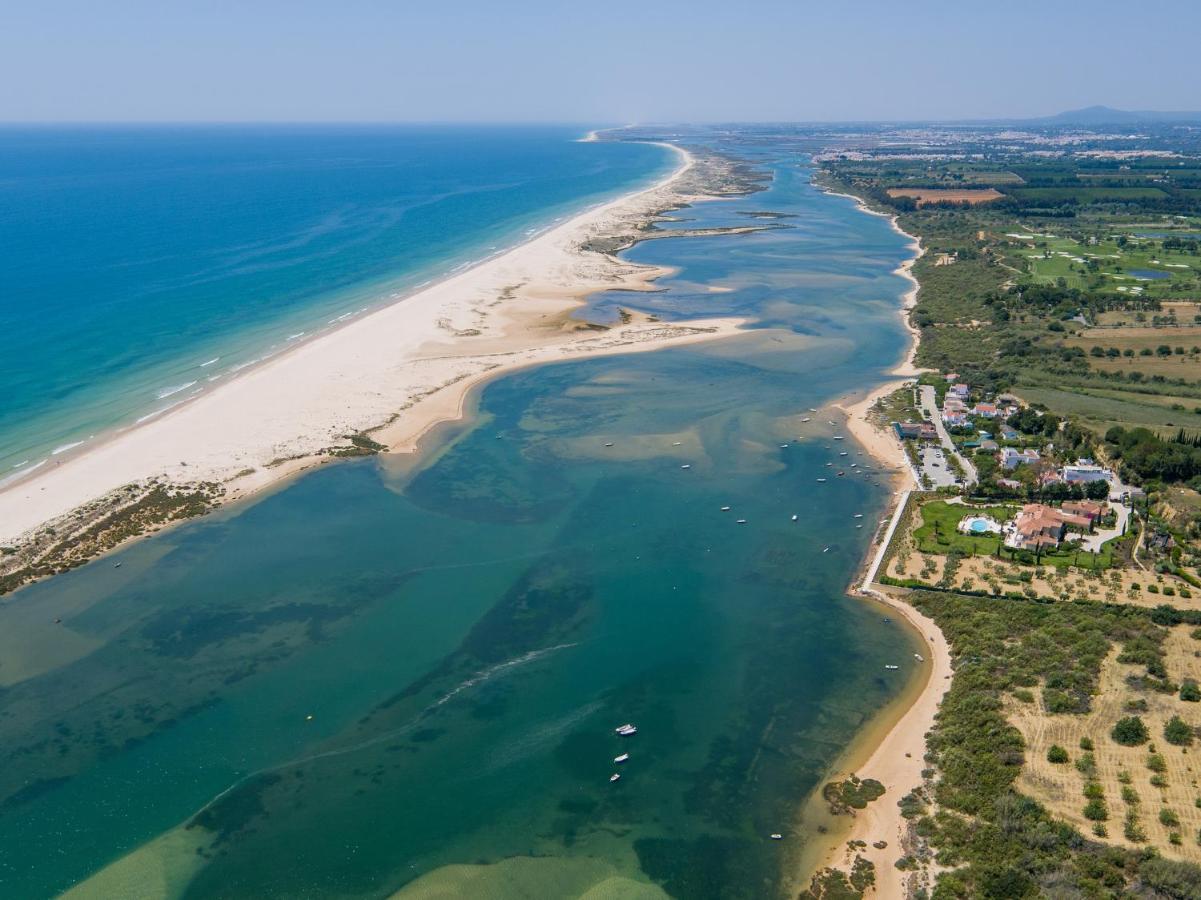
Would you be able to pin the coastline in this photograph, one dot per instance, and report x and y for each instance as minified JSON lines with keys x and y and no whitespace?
{"x":891,"y":747}
{"x":394,"y":372}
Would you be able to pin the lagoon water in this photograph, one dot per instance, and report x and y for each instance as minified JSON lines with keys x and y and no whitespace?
{"x":141,"y":263}
{"x":404,"y":677}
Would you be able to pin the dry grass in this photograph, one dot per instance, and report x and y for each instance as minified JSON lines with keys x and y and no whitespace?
{"x":1138,"y":338}
{"x":1184,"y":310}
{"x":1061,"y":786}
{"x":1001,"y":576}
{"x":925,"y":196}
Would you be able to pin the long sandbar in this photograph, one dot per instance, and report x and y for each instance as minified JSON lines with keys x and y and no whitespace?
{"x":393,"y":372}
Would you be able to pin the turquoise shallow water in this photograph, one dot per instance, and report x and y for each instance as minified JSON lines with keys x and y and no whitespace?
{"x":142,"y":263}
{"x":465,"y":636}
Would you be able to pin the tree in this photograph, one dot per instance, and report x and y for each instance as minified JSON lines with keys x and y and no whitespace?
{"x":1057,"y":754}
{"x":1130,"y":732}
{"x":1178,"y":732}
{"x":1096,"y":490}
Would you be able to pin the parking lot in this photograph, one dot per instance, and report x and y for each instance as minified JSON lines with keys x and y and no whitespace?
{"x":934,"y":467}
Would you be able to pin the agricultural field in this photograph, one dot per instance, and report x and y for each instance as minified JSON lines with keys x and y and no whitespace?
{"x":1171,"y":314}
{"x":1101,"y":411}
{"x":1140,"y":795}
{"x":925,"y":196}
{"x":1170,"y":352}
{"x":1085,"y":194}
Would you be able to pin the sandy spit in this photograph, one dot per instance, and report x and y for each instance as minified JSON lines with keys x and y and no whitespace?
{"x":394,"y":372}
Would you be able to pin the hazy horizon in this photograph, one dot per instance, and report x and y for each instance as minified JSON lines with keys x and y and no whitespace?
{"x":134,"y":61}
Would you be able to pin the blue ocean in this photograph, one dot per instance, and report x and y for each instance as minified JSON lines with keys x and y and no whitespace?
{"x":140,"y":265}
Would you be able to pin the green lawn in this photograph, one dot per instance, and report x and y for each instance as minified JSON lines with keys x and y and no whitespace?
{"x":938,"y":532}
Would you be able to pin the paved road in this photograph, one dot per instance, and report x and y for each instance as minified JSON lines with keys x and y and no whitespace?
{"x":929,"y":403}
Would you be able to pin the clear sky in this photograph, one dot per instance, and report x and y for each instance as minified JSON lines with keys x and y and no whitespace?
{"x":600,"y":61}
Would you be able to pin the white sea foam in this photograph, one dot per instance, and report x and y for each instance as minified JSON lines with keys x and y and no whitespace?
{"x":158,"y":412}
{"x":21,"y":463}
{"x":16,"y":476}
{"x":210,"y":362}
{"x":298,"y":334}
{"x":64,"y":448}
{"x":167,"y":392}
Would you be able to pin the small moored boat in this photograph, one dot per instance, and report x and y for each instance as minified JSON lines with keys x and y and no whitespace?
{"x":626,"y":730}
{"x":614,"y":777}
{"x":621,"y":759}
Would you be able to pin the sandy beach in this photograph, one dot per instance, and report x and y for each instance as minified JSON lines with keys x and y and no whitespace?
{"x":395,"y":372}
{"x":892,"y":748}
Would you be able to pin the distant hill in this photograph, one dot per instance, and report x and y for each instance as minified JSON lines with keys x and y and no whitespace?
{"x":1104,"y":115}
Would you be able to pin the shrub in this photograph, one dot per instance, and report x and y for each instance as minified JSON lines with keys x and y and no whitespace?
{"x":1169,"y":818}
{"x":1190,"y":691}
{"x":1156,"y":763}
{"x":1129,"y":732}
{"x":1057,"y":754}
{"x":1177,"y":732}
{"x":1086,"y":743}
{"x":1095,"y":811}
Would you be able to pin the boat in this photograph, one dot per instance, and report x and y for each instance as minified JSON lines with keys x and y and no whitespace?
{"x":842,"y":453}
{"x":610,"y":444}
{"x":620,"y":759}
{"x":676,"y":443}
{"x":828,"y":422}
{"x":783,"y":446}
{"x":892,"y":667}
{"x":686,"y":466}
{"x":857,"y":516}
{"x":821,"y":479}
{"x":839,"y":437}
{"x":725,"y":509}
{"x":794,"y":517}
{"x":777,"y":837}
{"x":806,"y":419}
{"x":840,"y":474}
{"x":811,"y":409}
{"x":741,"y":522}
{"x":614,"y":777}
{"x":919,"y":657}
{"x":828,"y":465}
{"x":626,"y":730}
{"x":827,"y":550}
